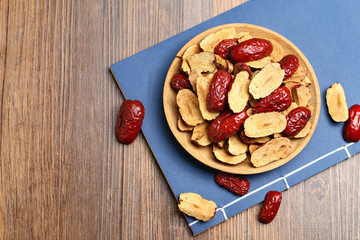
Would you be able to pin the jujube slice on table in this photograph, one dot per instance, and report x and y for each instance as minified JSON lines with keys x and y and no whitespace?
{"x":271,"y":206}
{"x":351,"y":131}
{"x":336,"y":102}
{"x":194,"y":205}
{"x":279,"y":100}
{"x":216,"y":98}
{"x":249,"y":50}
{"x":223,"y":48}
{"x":235,"y":184}
{"x":129,"y":121}
{"x":296,"y":121}
{"x":273,"y":150}
{"x":226,"y":125}
{"x":180,"y":81}
{"x":290,"y":64}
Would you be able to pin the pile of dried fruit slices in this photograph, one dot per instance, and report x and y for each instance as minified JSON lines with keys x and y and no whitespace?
{"x":243,"y":96}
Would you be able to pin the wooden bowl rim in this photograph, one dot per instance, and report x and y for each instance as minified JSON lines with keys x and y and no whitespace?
{"x":237,"y":169}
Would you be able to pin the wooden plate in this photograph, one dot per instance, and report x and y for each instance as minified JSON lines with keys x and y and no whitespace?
{"x":205,"y":154}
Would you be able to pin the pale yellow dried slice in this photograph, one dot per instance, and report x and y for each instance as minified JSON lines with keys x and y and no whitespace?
{"x":249,"y":112}
{"x":183,"y":126}
{"x":260,"y":63}
{"x":336,"y":102}
{"x":203,"y":61}
{"x":291,"y":86}
{"x":193,"y":75}
{"x":200,"y":135}
{"x":235,"y":146}
{"x":243,"y":36}
{"x":192,"y":204}
{"x":298,"y":76}
{"x":302,"y":95}
{"x":278,"y":51}
{"x":230,"y":66}
{"x":193,"y":49}
{"x":266,"y":81}
{"x":202,"y":90}
{"x":306,"y":81}
{"x":271,"y":151}
{"x":305,"y":131}
{"x":220,"y":144}
{"x":249,"y":140}
{"x":253,"y":147}
{"x":222,"y":155}
{"x":210,"y":42}
{"x":189,"y":107}
{"x":254,"y":74}
{"x":238,"y":94}
{"x":223,"y":64}
{"x":264,"y":124}
{"x":292,"y":107}
{"x":277,"y":135}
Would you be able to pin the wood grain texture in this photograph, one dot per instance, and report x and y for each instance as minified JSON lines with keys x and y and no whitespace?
{"x":63,"y":173}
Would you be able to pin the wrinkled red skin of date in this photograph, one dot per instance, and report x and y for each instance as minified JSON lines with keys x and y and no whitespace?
{"x":296,"y":121}
{"x":216,"y":98}
{"x":279,"y":100}
{"x":270,"y":207}
{"x":351,"y":131}
{"x":235,"y":184}
{"x":226,"y":125}
{"x":129,"y":121}
{"x":290,"y":63}
{"x":223,"y":48}
{"x":250,"y":50}
{"x":180,"y":81}
{"x":238,"y":67}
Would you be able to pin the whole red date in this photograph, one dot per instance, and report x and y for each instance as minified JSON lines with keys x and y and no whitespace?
{"x":279,"y":100}
{"x":270,"y":207}
{"x":235,"y":184}
{"x":296,"y":121}
{"x":290,"y":63}
{"x":226,"y":125}
{"x":180,"y":81}
{"x":352,"y":125}
{"x":223,"y":48}
{"x":249,"y":50}
{"x":216,"y":98}
{"x":129,"y":121}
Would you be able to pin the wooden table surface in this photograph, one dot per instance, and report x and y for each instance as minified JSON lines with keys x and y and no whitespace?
{"x":63,"y":173}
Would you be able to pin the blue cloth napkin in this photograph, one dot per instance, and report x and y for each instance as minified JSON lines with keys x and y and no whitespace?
{"x":328,"y":34}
